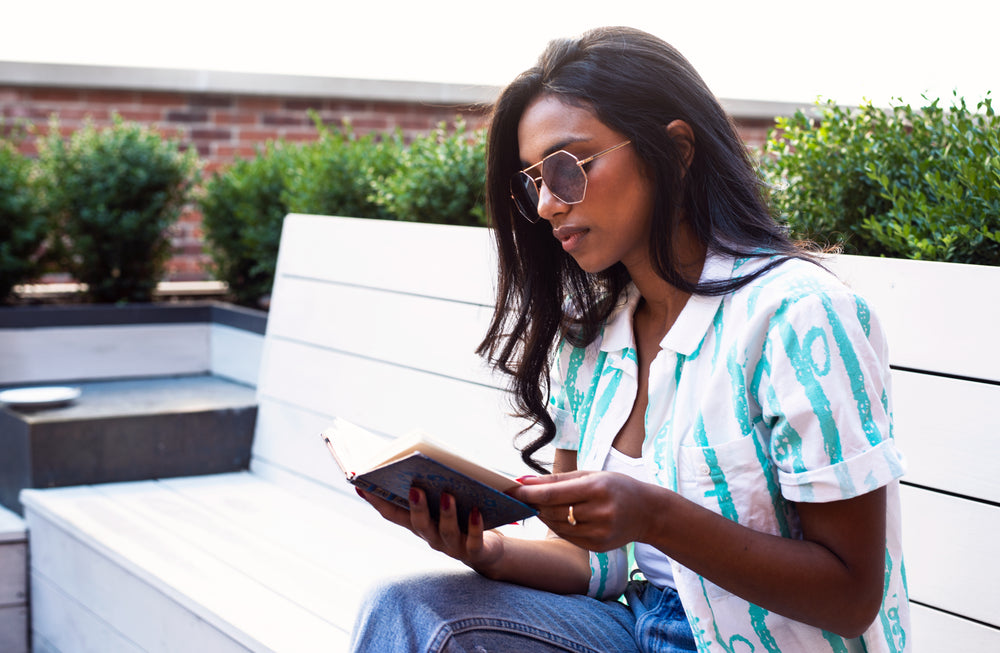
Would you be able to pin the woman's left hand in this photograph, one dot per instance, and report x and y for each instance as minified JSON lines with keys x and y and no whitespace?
{"x":610,"y":510}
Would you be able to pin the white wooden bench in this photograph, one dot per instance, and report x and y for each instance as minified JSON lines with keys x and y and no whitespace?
{"x":941,"y":321}
{"x":376,"y":322}
{"x":13,"y":583}
{"x":373,"y":321}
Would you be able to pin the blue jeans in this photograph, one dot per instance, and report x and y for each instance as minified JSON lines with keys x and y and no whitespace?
{"x":465,"y":612}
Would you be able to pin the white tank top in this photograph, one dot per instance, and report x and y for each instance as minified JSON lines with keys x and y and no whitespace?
{"x":653,"y":563}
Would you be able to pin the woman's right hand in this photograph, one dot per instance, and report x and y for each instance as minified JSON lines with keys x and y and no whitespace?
{"x":480,"y":550}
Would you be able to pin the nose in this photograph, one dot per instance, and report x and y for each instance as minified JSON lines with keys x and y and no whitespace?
{"x":549,"y":205}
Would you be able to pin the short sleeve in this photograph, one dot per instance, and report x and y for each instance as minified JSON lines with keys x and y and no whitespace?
{"x":825,"y":392}
{"x":608,"y":574}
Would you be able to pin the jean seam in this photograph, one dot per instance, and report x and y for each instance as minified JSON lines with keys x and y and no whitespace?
{"x":460,"y":626}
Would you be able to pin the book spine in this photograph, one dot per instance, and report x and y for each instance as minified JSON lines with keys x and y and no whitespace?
{"x":381,"y":492}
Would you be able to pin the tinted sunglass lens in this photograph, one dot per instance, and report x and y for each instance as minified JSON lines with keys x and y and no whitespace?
{"x":525,"y":194}
{"x":564,"y":178}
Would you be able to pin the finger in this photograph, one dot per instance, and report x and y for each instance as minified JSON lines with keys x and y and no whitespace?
{"x":390,"y":511}
{"x":551,"y":478}
{"x":569,"y":488}
{"x":448,"y":531}
{"x":475,"y":543}
{"x":420,"y":516}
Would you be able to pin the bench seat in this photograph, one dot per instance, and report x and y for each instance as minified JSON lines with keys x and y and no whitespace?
{"x":230,"y":562}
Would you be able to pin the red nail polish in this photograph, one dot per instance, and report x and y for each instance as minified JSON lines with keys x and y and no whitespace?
{"x":522,"y":479}
{"x":475,"y":518}
{"x":360,"y":493}
{"x":445,"y":501}
{"x":414,"y":496}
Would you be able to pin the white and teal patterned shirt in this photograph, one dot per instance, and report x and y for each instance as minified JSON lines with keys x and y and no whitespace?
{"x":773,"y":394}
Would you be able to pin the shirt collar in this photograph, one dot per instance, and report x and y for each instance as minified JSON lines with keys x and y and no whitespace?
{"x":618,"y":329}
{"x":696,"y":317}
{"x":692,"y":324}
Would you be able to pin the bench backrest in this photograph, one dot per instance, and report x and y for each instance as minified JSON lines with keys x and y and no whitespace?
{"x":941,"y":320}
{"x":376,"y":322}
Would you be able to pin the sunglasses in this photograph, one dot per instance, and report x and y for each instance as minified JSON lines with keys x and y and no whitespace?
{"x":561,"y":172}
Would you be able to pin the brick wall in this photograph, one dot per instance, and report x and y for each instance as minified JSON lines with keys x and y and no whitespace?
{"x":231,"y":118}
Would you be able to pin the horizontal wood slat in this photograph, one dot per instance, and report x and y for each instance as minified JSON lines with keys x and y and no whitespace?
{"x":939,"y":317}
{"x":950,"y":553}
{"x":450,"y":262}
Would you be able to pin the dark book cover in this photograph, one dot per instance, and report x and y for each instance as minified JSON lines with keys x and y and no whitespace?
{"x":392,"y":482}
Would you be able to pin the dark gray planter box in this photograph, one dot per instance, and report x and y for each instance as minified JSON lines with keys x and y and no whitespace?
{"x":167,"y":390}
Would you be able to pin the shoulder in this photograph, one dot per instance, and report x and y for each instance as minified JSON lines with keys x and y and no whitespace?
{"x":796,"y":286}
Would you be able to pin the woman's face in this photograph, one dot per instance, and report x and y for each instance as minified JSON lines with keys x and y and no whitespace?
{"x":612,"y":223}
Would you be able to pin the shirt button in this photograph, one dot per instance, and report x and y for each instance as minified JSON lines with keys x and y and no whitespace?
{"x":704,"y":470}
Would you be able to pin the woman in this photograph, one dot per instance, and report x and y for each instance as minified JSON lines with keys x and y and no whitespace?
{"x":717,"y":401}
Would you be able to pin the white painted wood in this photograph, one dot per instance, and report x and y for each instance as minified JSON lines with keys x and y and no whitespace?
{"x":938,"y":632}
{"x":13,"y":573}
{"x":938,"y":316}
{"x":386,"y":399}
{"x":426,"y":259}
{"x":69,"y":626}
{"x":949,"y":431}
{"x":410,"y":330}
{"x":155,"y":587}
{"x":14,"y":628}
{"x":950,"y":553}
{"x":51,"y":354}
{"x":235,"y":353}
{"x":12,"y":526}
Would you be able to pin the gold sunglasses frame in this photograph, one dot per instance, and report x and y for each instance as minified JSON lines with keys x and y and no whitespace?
{"x":535,"y":180}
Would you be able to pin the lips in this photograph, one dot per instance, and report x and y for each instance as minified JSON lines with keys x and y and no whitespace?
{"x":569,"y":236}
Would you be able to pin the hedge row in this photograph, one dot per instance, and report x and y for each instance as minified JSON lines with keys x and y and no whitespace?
{"x":904,"y":182}
{"x":438,"y":177}
{"x":920,"y":183}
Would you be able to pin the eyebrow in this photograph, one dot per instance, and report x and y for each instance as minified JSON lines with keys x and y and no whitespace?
{"x":560,"y":145}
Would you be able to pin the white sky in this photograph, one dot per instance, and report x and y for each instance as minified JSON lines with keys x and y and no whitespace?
{"x":786,"y":50}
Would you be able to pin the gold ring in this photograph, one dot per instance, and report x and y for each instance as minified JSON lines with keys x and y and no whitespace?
{"x":570,"y":518}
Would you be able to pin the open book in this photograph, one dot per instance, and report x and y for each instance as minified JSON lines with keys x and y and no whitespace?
{"x":388,"y":469}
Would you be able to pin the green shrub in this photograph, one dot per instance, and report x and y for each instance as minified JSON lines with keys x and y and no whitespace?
{"x":337,"y":174}
{"x":440,"y":178}
{"x":908,"y":183}
{"x":23,"y":225}
{"x":242,"y":211}
{"x":114,"y":194}
{"x":436,"y":178}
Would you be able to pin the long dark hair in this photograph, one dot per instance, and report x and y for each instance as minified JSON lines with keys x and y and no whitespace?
{"x":636,"y":84}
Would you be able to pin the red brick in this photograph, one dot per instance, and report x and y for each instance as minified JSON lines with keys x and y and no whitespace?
{"x":211,"y":101}
{"x":305,"y":104}
{"x":256,"y":103}
{"x":140,"y":115}
{"x":213,"y":134}
{"x":286,"y":120}
{"x":181,"y":115}
{"x":54,"y":94}
{"x":161,"y":99}
{"x":101,"y":96}
{"x":233,"y":118}
{"x":300,"y":136}
{"x":259,"y":135}
{"x":232,"y":151}
{"x":95,"y":114}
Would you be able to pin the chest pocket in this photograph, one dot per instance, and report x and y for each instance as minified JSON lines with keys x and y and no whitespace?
{"x":736,"y":480}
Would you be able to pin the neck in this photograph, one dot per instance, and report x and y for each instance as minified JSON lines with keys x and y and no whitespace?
{"x":661,"y":301}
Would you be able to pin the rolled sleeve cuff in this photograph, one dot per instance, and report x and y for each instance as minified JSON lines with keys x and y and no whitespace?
{"x":608,"y":574}
{"x":872,"y":469}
